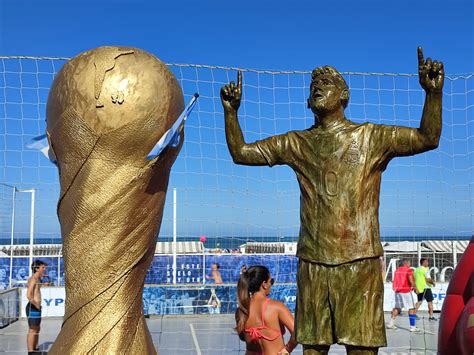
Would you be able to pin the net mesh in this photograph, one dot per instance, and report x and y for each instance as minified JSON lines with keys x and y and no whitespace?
{"x":425,"y":197}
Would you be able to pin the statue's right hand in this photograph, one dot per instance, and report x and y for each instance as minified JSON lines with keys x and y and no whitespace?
{"x":430,"y":73}
{"x":231,"y":94}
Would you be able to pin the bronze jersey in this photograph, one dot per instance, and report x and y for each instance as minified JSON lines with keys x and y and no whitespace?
{"x":339,"y":172}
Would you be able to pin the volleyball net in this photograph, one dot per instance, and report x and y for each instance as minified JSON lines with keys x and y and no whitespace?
{"x":426,"y":206}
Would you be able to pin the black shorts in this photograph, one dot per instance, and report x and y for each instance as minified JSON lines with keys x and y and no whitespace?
{"x":426,"y":294}
{"x":33,"y":314}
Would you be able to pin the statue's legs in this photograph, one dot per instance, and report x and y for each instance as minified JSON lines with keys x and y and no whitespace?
{"x":340,"y":304}
{"x":315,"y":349}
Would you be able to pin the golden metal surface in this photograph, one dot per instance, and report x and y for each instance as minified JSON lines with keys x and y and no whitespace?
{"x":339,"y":166}
{"x":106,"y":110}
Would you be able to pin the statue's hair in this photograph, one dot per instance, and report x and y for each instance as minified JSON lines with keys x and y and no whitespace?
{"x":330,"y":71}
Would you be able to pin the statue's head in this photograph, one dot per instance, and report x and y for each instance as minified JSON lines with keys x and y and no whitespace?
{"x":328,"y":91}
{"x":110,"y":86}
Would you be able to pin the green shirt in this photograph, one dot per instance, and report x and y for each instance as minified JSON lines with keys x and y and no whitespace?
{"x":339,"y":172}
{"x":421,"y":274}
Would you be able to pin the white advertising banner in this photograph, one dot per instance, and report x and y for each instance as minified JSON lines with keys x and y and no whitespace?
{"x":52,"y":302}
{"x":439,"y":294}
{"x":53,"y":299}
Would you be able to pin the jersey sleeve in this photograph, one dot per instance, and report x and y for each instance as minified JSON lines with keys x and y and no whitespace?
{"x":388,"y":142}
{"x":277,"y":150}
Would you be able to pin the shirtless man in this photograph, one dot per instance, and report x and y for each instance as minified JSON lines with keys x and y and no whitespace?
{"x":216,"y":275}
{"x":33,"y":308}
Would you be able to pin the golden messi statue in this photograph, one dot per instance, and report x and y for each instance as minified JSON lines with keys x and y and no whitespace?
{"x":339,"y":166}
{"x":106,"y":110}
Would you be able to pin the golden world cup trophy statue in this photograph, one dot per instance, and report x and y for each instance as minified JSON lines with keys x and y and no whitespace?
{"x":339,"y":166}
{"x":107,"y":109}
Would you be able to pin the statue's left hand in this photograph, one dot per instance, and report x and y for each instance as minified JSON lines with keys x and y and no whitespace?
{"x":430,"y":73}
{"x":231,"y":94}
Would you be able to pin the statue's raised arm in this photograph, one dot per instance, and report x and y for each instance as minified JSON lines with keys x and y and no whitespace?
{"x":401,"y":140}
{"x":431,"y":76}
{"x":241,"y":152}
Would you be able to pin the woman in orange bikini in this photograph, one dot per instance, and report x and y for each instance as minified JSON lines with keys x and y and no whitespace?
{"x":261,"y":321}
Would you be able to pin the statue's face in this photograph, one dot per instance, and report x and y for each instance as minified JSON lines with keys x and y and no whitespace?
{"x":325,"y":95}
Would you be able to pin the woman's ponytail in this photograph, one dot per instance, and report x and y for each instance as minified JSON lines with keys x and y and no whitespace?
{"x":243,"y":296}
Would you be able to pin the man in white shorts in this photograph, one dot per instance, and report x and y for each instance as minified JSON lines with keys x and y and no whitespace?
{"x":403,"y":285}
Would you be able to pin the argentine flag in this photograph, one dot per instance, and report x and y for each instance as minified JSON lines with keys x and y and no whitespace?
{"x":171,"y":136}
{"x":41,"y":143}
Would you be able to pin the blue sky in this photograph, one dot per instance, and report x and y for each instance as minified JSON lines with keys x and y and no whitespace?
{"x":431,"y":194}
{"x":379,"y":36}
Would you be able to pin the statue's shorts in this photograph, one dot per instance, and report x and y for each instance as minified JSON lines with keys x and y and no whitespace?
{"x":340,"y":304}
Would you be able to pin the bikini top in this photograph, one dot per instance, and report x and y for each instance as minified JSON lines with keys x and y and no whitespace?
{"x":256,"y":332}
